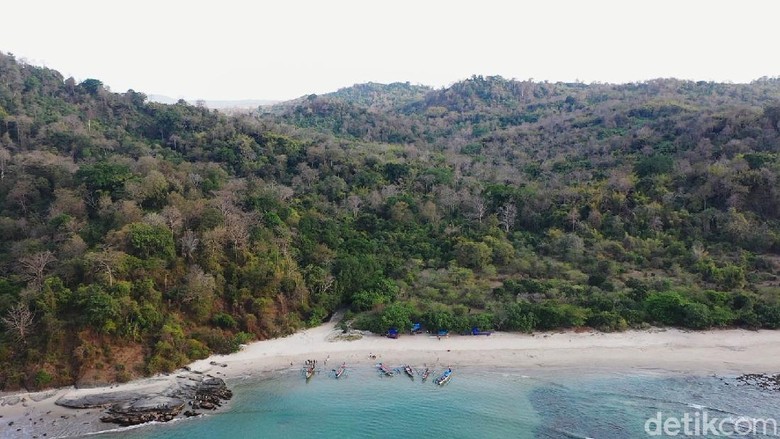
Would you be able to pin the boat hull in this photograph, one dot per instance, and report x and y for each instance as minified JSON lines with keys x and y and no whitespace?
{"x":444,"y":378}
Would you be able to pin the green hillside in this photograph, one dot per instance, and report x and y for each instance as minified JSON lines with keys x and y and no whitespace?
{"x":137,"y":236}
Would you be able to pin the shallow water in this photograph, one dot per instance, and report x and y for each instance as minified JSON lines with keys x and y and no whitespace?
{"x":476,"y":403}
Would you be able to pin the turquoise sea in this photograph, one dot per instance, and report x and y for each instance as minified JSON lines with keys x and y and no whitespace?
{"x":477,"y":403}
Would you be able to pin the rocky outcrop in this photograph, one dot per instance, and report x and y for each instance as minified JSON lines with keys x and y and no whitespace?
{"x":760,"y":380}
{"x":210,"y":394}
{"x":158,"y":408}
{"x":160,"y":403}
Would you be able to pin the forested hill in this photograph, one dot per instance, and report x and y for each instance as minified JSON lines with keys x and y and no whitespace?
{"x":139,"y":236}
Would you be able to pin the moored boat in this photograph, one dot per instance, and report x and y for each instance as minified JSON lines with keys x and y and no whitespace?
{"x":309,"y":368}
{"x":409,"y":371}
{"x":341,"y":370}
{"x":384,"y":369}
{"x":426,"y":374}
{"x":444,"y":378}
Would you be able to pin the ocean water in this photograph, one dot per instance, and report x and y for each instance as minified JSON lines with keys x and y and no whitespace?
{"x":477,"y":403}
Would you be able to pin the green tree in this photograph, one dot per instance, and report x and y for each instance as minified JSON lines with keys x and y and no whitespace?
{"x":148,"y":241}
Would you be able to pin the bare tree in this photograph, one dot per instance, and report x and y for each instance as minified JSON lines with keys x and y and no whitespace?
{"x":104,"y":261}
{"x":573,"y":216}
{"x":478,"y":208}
{"x":237,"y":230}
{"x":353,"y":204}
{"x":34,"y":267}
{"x":19,"y":319}
{"x":507,"y":215}
{"x":324,"y":285}
{"x":189,"y":243}
{"x":5,"y":157}
{"x":199,"y":285}
{"x":173,"y":218}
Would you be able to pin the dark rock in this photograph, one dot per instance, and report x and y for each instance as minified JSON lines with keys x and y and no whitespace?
{"x":205,"y":393}
{"x":97,"y":400}
{"x":760,"y":380}
{"x":159,"y":408}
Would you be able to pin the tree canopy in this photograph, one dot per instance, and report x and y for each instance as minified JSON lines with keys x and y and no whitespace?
{"x":140,"y":236}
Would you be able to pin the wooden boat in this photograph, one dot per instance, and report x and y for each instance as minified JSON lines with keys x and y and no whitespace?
{"x":309,"y":372}
{"x":341,"y":370}
{"x":426,"y":374}
{"x":444,"y":378}
{"x":409,"y":371}
{"x":385,"y":370}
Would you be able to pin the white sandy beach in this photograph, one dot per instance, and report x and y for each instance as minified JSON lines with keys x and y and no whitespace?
{"x":726,"y":352}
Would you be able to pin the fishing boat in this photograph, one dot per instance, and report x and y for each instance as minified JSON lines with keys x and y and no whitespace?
{"x":384,"y":369}
{"x":444,"y":378}
{"x":409,"y":371}
{"x":426,"y":374}
{"x":309,"y":371}
{"x":309,"y":368}
{"x":341,"y":370}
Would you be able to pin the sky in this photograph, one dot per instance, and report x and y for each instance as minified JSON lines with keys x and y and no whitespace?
{"x":243,"y":49}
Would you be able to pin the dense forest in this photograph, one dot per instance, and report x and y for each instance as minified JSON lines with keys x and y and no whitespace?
{"x":138,"y":236}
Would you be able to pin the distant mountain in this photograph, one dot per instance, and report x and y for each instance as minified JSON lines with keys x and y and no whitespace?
{"x":372,"y":96}
{"x":381,"y":96}
{"x":249,"y":104}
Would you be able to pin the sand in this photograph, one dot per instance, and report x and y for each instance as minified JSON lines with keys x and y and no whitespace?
{"x":733,"y":351}
{"x":725,"y":352}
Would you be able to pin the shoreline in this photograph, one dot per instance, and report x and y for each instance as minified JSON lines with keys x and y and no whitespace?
{"x":656,"y":350}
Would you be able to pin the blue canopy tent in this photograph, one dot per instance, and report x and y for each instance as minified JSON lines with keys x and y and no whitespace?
{"x":392,"y":333}
{"x":476,"y":331}
{"x":416,"y":328}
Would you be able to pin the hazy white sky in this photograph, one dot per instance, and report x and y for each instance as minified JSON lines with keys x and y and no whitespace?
{"x":243,"y":49}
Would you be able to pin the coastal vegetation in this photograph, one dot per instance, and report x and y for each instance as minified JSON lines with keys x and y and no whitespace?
{"x":137,"y":236}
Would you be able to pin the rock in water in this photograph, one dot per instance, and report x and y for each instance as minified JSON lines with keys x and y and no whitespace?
{"x":210,"y":394}
{"x":158,"y":408}
{"x":161,"y":405}
{"x":761,"y":380}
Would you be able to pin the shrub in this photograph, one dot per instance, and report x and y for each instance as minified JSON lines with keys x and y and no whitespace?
{"x":241,"y":338}
{"x":607,"y":321}
{"x":196,"y":349}
{"x":224,"y":321}
{"x":43,"y":378}
{"x":552,"y":315}
{"x":696,"y":315}
{"x":665,"y":308}
{"x":397,"y":315}
{"x":438,"y":318}
{"x":217,"y":340}
{"x":768,"y":315}
{"x":518,"y":318}
{"x":722,"y":316}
